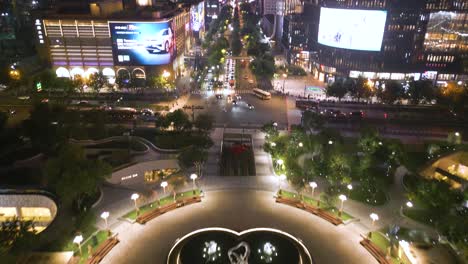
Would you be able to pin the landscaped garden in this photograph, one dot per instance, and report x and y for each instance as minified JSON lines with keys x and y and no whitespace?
{"x":315,"y":203}
{"x":132,"y":215}
{"x":362,"y":169}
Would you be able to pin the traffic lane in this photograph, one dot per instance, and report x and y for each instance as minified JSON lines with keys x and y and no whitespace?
{"x":238,"y":210}
{"x":263,"y":111}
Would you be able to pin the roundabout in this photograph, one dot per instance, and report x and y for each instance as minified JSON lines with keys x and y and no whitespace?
{"x":238,"y":210}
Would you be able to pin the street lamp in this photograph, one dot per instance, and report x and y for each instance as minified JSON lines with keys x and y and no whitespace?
{"x":104,"y":216}
{"x":280,"y":162}
{"x":281,"y":178}
{"x":343,"y":198}
{"x":301,"y":145}
{"x":374,"y":218}
{"x":350,"y":187}
{"x":77,"y":240}
{"x":273,"y":144}
{"x":313,"y":185}
{"x":164,"y":185}
{"x":284,"y":82}
{"x":193,"y":176}
{"x":166,"y":74}
{"x":457,"y":134}
{"x":135,"y":197}
{"x":409,"y":204}
{"x":330,"y":142}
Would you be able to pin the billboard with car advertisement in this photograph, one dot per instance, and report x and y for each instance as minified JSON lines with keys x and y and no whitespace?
{"x":143,"y":43}
{"x":197,"y":16}
{"x":351,"y":28}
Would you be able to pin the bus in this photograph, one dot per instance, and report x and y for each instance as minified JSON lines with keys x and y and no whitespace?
{"x":305,"y":104}
{"x":262,"y":94}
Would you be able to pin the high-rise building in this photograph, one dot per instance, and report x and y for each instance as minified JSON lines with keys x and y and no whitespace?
{"x":111,"y":36}
{"x":379,"y":39}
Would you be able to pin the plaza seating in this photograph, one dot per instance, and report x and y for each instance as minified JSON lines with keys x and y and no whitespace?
{"x":374,"y":250}
{"x":142,"y":219}
{"x":103,"y":250}
{"x":309,"y":208}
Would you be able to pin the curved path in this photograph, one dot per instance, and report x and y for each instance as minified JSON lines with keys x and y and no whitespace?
{"x":151,"y":243}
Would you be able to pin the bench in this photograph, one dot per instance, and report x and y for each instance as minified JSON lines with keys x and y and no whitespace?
{"x":142,"y":219}
{"x":375,"y":251}
{"x":329,"y":217}
{"x":288,"y":201}
{"x":311,"y":209}
{"x":103,"y":250}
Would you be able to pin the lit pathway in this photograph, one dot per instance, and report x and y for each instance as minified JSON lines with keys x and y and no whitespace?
{"x":151,"y":243}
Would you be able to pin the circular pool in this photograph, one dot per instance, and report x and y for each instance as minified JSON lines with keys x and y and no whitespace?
{"x":220,"y":245}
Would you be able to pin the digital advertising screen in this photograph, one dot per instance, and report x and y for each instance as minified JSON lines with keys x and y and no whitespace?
{"x":446,"y":31}
{"x":143,"y":43}
{"x":351,"y":28}
{"x":197,"y":16}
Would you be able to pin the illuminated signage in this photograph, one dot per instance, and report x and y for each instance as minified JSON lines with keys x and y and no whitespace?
{"x":352,"y":28}
{"x":143,"y":43}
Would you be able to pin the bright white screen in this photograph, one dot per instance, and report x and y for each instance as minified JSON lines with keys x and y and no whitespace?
{"x":351,"y":28}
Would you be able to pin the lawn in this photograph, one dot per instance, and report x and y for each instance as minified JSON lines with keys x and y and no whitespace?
{"x":382,"y":242}
{"x":94,"y":242}
{"x":333,"y":210}
{"x":163,"y":201}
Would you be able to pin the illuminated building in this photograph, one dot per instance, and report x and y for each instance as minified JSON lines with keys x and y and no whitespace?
{"x":413,"y":39}
{"x":142,"y":38}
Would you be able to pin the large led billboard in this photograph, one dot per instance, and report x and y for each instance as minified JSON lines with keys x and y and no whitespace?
{"x":352,"y":28}
{"x":197,"y":16}
{"x":143,"y":43}
{"x":446,"y":31}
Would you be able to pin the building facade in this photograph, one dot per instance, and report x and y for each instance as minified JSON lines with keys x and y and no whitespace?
{"x":142,"y":41}
{"x":379,"y":39}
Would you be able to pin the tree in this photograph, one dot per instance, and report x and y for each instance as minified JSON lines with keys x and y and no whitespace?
{"x":78,"y":82}
{"x":189,"y":156}
{"x":339,"y":168}
{"x":123,"y":79}
{"x":422,"y":90}
{"x":204,"y":122}
{"x":263,"y":66}
{"x":179,"y":119}
{"x":72,"y":176}
{"x":45,"y":127}
{"x":392,"y":91}
{"x":3,"y":120}
{"x":97,"y":81}
{"x":236,"y":44}
{"x":312,"y":120}
{"x":337,"y":89}
{"x":160,"y":82}
{"x":453,"y":95}
{"x":359,"y":88}
{"x":13,"y":232}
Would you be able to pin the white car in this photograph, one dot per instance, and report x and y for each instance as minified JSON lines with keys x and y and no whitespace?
{"x":162,"y":42}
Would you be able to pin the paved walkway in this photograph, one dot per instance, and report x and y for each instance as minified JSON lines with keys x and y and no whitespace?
{"x":249,"y":199}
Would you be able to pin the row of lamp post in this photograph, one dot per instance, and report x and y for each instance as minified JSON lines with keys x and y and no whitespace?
{"x":135,"y":196}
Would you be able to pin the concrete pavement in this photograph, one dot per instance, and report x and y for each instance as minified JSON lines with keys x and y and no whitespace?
{"x":151,"y":243}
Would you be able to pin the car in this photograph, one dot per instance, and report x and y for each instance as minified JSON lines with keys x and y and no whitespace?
{"x":336,"y":113}
{"x":234,"y":102}
{"x":162,"y":42}
{"x":356,"y":114}
{"x":251,"y":107}
{"x":219,"y":96}
{"x":238,"y":97}
{"x":83,"y":103}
